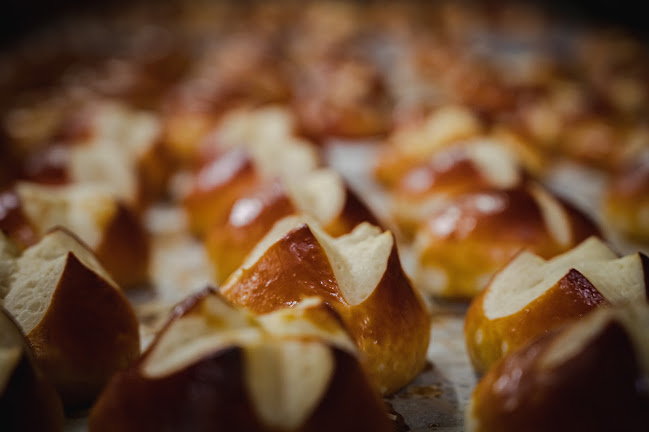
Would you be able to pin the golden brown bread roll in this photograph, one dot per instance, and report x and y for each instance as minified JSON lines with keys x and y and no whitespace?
{"x":216,"y":367}
{"x":590,"y":376}
{"x":247,"y":149}
{"x":77,"y":320}
{"x":462,"y":245}
{"x":467,"y":167}
{"x":532,"y":296}
{"x":111,"y":229}
{"x":416,"y":142}
{"x":28,"y":402}
{"x":358,"y":274}
{"x":321,"y":194}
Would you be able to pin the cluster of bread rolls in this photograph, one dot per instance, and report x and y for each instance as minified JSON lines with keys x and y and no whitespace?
{"x":543,"y":330}
{"x":221,"y":115}
{"x":469,"y":203}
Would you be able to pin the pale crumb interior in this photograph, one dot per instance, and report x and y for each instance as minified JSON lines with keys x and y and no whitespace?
{"x":444,"y":126}
{"x":121,"y":137}
{"x":213,"y":325}
{"x":37,"y":275}
{"x":105,"y":166}
{"x":311,"y":317}
{"x":285,"y":397}
{"x":554,"y":215}
{"x":619,"y":281}
{"x":268,"y":135}
{"x":528,"y":276}
{"x":85,"y":210}
{"x":320,"y":193}
{"x":495,"y":162}
{"x":359,"y":259}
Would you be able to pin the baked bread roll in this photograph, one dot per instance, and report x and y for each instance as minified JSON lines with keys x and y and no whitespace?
{"x":109,"y":144}
{"x":216,"y":367}
{"x":77,"y":320}
{"x":27,"y":401}
{"x":111,"y":229}
{"x":468,"y":167}
{"x":461,"y":246}
{"x":248,"y":148}
{"x":532,"y":296}
{"x":587,"y":376}
{"x":417,"y":141}
{"x":358,"y":274}
{"x":322,"y":194}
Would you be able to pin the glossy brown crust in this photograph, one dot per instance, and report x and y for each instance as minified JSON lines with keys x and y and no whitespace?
{"x":570,"y":298}
{"x":595,"y":390}
{"x":228,"y":245}
{"x":210,"y":395}
{"x":448,"y":179}
{"x":480,"y":232}
{"x":13,"y":222}
{"x":28,"y":402}
{"x":429,"y":181}
{"x":88,"y":333}
{"x":212,"y":196}
{"x":391,"y":327}
{"x":125,"y":248}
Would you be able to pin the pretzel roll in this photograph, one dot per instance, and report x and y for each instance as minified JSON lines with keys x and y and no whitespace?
{"x":110,"y":228}
{"x":463,"y":244}
{"x":417,"y":141}
{"x":588,"y":376}
{"x":216,"y":367}
{"x":358,"y":274}
{"x":532,"y":296}
{"x":248,"y":149}
{"x":322,"y":194}
{"x":431,"y":184}
{"x":77,"y":320}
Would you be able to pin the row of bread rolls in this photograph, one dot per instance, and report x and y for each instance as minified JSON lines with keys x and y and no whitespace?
{"x":74,"y":317}
{"x":562,"y":343}
{"x":469,"y":204}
